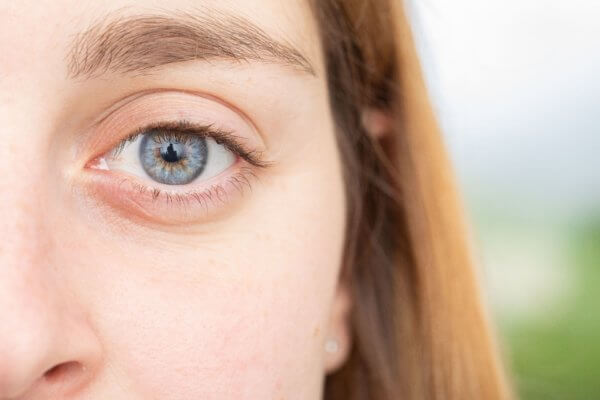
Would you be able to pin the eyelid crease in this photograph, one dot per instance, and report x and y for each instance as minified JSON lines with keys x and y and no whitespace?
{"x":183,"y":127}
{"x":127,"y":101}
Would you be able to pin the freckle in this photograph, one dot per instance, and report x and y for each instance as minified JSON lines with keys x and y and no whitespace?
{"x":278,"y":387}
{"x":316,"y":331}
{"x":262,"y":236}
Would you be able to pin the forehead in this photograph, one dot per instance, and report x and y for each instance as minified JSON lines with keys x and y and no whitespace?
{"x":45,"y":30}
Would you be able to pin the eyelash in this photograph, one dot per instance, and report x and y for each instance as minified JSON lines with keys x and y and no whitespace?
{"x":239,"y":180}
{"x":183,"y":127}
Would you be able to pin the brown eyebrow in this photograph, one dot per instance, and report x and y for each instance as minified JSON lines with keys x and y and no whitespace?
{"x":144,"y":42}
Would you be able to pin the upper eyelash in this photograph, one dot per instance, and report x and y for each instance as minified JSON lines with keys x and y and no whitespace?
{"x":225,"y":138}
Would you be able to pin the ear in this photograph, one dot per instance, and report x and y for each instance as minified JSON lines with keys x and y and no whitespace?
{"x":377,"y":122}
{"x":338,"y":340}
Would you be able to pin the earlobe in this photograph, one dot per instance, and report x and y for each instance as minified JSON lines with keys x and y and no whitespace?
{"x":377,"y":122}
{"x":338,"y":341}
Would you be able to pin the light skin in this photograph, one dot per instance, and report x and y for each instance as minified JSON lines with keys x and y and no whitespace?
{"x":114,"y":286}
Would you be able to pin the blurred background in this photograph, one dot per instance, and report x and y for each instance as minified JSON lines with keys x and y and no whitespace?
{"x":517,"y":90}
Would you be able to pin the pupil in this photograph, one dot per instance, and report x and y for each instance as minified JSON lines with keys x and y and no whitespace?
{"x":170,"y":155}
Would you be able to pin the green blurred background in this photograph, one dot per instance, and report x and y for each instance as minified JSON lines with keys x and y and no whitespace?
{"x":542,"y":280}
{"x":515,"y":85}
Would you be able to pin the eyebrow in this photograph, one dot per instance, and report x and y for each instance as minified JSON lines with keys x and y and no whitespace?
{"x":138,"y":44}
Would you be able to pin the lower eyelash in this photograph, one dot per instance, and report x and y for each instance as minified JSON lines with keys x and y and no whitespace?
{"x":239,"y":181}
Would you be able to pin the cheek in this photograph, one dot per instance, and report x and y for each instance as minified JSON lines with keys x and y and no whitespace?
{"x":238,"y":312}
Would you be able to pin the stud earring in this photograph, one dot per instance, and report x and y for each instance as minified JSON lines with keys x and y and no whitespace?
{"x":332,"y":346}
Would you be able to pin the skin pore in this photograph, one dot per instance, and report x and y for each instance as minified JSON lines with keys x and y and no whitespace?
{"x":114,"y":286}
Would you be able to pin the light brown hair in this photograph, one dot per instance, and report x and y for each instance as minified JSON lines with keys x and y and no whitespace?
{"x":418,"y":325}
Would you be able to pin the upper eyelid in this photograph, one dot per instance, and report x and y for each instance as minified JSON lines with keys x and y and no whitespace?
{"x":123,"y":112}
{"x":129,"y":98}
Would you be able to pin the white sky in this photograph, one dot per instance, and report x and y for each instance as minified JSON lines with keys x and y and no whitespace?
{"x":516,"y":86}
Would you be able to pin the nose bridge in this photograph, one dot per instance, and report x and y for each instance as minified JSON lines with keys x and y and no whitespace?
{"x":27,"y":109}
{"x":26,"y":239}
{"x":25,"y":177}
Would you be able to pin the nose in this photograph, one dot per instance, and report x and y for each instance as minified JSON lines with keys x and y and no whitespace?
{"x":44,"y":351}
{"x":48,"y":346}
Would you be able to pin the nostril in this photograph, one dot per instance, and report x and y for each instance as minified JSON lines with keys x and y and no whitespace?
{"x":61,"y":371}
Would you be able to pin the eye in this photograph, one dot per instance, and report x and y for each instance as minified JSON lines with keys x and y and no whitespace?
{"x":171,"y":157}
{"x":175,"y":171}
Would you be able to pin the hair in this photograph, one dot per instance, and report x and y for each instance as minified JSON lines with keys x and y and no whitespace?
{"x":419,"y":329}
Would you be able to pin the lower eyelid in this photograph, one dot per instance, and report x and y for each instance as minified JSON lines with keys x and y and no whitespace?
{"x":133,"y":198}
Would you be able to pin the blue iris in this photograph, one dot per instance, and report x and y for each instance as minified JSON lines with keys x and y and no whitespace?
{"x":173,"y":158}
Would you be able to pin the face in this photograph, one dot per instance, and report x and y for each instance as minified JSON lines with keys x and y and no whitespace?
{"x":171,"y":201}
